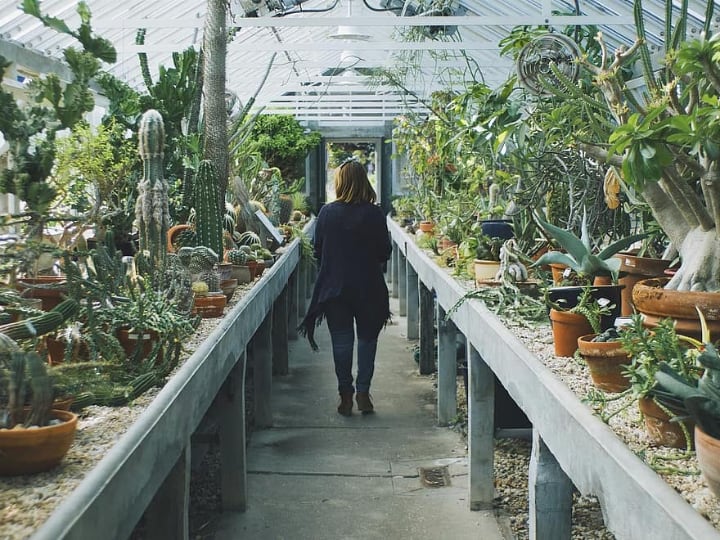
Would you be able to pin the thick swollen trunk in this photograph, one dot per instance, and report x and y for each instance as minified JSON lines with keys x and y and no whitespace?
{"x":700,"y":268}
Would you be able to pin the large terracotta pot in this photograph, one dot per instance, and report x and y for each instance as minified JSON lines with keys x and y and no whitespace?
{"x":567,"y":328}
{"x":27,"y":451}
{"x":656,"y":303}
{"x":209,"y":305}
{"x":708,"y":456}
{"x":660,"y":429}
{"x":634,"y":269}
{"x":50,"y":290}
{"x":607,"y":361}
{"x":131,"y":341}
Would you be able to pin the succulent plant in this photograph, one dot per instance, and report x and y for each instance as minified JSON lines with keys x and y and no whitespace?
{"x":152,"y":215}
{"x":209,"y":219}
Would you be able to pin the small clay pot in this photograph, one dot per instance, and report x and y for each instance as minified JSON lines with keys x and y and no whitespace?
{"x":606,"y":361}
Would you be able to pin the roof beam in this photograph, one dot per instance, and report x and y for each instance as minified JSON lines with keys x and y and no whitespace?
{"x":296,"y":22}
{"x":328,"y":46}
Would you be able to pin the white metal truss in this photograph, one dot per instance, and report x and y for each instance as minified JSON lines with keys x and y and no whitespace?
{"x":317,"y":74}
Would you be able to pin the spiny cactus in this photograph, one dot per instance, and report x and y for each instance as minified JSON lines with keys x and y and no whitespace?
{"x":212,"y":278}
{"x":152,"y":215}
{"x":202,"y":259}
{"x":285,"y":208}
{"x":188,"y":237}
{"x":237,"y":257}
{"x":208,"y":219}
{"x":178,"y":282}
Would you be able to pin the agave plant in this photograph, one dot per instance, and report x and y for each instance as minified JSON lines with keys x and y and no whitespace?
{"x":701,"y":397}
{"x":579,"y":256}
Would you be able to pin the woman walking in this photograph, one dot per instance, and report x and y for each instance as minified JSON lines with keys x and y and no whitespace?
{"x":351,"y":246}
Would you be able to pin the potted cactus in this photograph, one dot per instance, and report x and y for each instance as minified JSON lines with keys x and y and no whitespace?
{"x":34,"y":437}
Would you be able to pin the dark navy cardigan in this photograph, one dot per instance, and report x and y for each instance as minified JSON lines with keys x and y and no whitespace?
{"x":351,"y":245}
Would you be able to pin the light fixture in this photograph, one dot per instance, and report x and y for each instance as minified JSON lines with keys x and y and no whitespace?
{"x":349,"y":32}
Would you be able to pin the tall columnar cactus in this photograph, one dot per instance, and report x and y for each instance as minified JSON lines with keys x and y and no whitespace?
{"x":208,"y":219}
{"x":152,"y":215}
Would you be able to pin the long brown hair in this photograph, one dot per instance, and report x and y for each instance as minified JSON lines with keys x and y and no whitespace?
{"x":352,"y":184}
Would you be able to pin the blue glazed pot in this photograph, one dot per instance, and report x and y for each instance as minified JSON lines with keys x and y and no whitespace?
{"x":497,"y":228}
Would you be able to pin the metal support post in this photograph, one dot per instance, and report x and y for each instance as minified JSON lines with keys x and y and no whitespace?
{"x":447,"y":369}
{"x":550,"y":494}
{"x":426,"y":328}
{"x":481,"y":442}
{"x":412,"y":302}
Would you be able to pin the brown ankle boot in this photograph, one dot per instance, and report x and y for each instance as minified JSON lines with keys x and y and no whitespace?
{"x":364,"y":403}
{"x":346,"y":403}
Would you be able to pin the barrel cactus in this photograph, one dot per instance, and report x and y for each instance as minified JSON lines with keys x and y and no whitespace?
{"x":152,"y":214}
{"x":237,"y":257}
{"x":208,"y":218}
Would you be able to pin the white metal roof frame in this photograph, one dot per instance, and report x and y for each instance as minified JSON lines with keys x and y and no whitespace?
{"x":318,"y":77}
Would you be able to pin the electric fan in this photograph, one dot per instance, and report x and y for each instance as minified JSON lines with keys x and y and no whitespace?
{"x":535,"y":59}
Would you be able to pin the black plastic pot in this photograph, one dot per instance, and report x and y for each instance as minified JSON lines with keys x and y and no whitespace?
{"x":497,"y":228}
{"x":568,"y":296}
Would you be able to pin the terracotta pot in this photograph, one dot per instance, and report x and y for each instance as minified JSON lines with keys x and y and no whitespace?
{"x":130,"y":342}
{"x":656,"y":303}
{"x":485,"y":270}
{"x":228,"y":287}
{"x":27,"y":451}
{"x":567,"y":328}
{"x":445,"y":243}
{"x":606,"y":360}
{"x":225,"y":270}
{"x":254,"y":270}
{"x":209,"y":305}
{"x":241,"y":274}
{"x":660,"y":429}
{"x":557,"y":270}
{"x":634,"y":269}
{"x":708,"y":456}
{"x":49,"y":289}
{"x":426,"y":226}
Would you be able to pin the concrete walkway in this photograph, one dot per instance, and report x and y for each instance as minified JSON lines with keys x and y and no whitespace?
{"x":317,"y":475}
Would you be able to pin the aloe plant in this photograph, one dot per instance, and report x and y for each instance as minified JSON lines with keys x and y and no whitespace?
{"x":579,"y":254}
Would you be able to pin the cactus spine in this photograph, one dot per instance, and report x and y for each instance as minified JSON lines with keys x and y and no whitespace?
{"x":208,"y":219}
{"x":152,"y":214}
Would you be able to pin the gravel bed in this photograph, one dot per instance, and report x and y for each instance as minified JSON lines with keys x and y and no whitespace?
{"x":26,"y":501}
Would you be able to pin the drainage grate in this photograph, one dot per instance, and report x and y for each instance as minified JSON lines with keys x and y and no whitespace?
{"x":434,"y":477}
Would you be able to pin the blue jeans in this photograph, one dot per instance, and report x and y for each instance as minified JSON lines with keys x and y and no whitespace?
{"x":342,"y":315}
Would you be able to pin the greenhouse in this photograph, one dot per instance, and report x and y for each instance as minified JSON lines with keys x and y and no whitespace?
{"x":360,"y":269}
